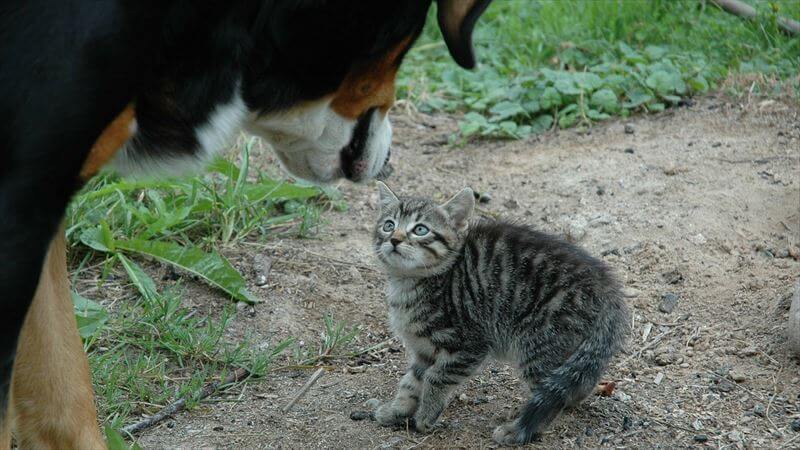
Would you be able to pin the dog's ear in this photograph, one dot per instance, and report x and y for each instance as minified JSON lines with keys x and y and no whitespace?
{"x":457,"y":19}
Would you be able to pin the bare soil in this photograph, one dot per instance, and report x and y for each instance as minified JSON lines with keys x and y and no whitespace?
{"x":701,"y":203}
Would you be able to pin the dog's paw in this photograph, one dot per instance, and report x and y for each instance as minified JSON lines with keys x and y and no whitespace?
{"x":511,"y":434}
{"x":390,"y":415}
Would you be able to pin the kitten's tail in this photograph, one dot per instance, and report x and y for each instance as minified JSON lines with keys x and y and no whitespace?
{"x":578,"y":376}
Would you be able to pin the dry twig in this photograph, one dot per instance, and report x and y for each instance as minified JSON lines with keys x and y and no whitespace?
{"x":180,"y":404}
{"x":316,"y":376}
{"x":746,"y":11}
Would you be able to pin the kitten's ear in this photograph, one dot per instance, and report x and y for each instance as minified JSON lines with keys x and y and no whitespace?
{"x":387,"y":199}
{"x":459,"y":208}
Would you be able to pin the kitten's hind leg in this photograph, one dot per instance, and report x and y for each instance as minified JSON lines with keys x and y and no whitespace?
{"x":438,"y":384}
{"x":404,"y":404}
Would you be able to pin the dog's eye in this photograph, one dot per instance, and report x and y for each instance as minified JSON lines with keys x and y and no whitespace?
{"x":388,"y":226}
{"x":421,"y":230}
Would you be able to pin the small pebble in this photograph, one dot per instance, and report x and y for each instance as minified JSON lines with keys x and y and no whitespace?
{"x":218,"y":428}
{"x":738,"y":376}
{"x":171,"y":424}
{"x":700,"y":438}
{"x":748,"y":351}
{"x":463,"y":397}
{"x":668,"y":302}
{"x":759,"y":410}
{"x":629,"y":150}
{"x":629,"y":129}
{"x":511,"y":204}
{"x":372,"y":403}
{"x":796,"y":425}
{"x":360,"y":415}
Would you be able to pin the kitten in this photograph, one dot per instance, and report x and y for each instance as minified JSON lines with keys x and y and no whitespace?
{"x":462,"y":291}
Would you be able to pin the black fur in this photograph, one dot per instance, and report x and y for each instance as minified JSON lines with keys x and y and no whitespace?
{"x":68,"y":67}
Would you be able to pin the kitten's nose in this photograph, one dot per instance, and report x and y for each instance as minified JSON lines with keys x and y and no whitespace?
{"x":395,"y":241}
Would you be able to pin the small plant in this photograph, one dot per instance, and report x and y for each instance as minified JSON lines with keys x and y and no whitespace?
{"x":147,"y":349}
{"x":333,"y":341}
{"x":178,"y":222}
{"x":546,"y":64}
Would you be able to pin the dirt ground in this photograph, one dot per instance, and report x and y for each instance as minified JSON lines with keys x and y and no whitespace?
{"x":700,"y":203}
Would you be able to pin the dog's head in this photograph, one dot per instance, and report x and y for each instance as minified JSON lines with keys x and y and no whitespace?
{"x":320,"y":81}
{"x":314,"y":78}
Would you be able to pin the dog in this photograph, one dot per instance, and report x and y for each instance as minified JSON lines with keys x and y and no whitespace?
{"x":155,"y":87}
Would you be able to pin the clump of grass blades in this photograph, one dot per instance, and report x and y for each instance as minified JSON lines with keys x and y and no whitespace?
{"x":561,"y":63}
{"x":146,"y":349}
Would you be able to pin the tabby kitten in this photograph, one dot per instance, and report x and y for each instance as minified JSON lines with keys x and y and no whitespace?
{"x":462,"y":291}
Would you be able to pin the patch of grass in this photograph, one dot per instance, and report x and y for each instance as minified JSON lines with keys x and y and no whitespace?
{"x":145,"y":349}
{"x":545,"y":64}
{"x":150,"y":351}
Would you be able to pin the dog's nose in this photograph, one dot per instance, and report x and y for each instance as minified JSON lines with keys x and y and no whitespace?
{"x":395,"y":242}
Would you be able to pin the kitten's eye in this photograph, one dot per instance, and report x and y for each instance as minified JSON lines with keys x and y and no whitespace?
{"x":388,"y":226}
{"x":421,"y":230}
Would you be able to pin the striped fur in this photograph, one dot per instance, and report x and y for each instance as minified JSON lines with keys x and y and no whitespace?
{"x":465,"y":291}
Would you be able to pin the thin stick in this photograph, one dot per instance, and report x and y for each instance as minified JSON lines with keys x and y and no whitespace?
{"x":180,"y":404}
{"x":746,"y":11}
{"x":316,"y":376}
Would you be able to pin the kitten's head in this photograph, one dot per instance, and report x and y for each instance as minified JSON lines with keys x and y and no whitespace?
{"x":416,"y":237}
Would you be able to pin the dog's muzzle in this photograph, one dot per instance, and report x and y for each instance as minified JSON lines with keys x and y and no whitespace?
{"x":363,"y":157}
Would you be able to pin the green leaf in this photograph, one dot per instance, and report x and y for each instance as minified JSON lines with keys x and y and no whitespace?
{"x":144,"y":284}
{"x":566,"y":85}
{"x":98,"y":238}
{"x":509,"y":127}
{"x":637,"y":98}
{"x":278,"y":191}
{"x":224,"y":167}
{"x":90,"y":315}
{"x":655,"y":52}
{"x":531,"y":107}
{"x":587,"y":81}
{"x":542,"y":123}
{"x":666,"y":82}
{"x":506,"y":109}
{"x":630,"y":55}
{"x":655,"y":107}
{"x":568,"y":116}
{"x":698,"y":83}
{"x":605,"y":99}
{"x":550,"y":98}
{"x":596,"y":115}
{"x":469,"y":128}
{"x":115,"y":441}
{"x":212,"y":267}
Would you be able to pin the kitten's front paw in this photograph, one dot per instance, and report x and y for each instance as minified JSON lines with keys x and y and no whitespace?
{"x":423,"y":424}
{"x":511,"y":434}
{"x":390,"y":415}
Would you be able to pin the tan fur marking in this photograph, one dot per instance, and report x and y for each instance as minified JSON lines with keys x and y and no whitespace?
{"x":369,"y":85}
{"x":110,"y":141}
{"x":52,"y":401}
